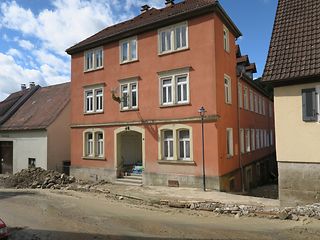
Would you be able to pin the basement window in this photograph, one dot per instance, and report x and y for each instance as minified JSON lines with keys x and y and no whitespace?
{"x":31,"y":163}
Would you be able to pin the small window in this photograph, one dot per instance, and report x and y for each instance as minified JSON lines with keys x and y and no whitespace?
{"x":229,"y":142}
{"x":240,"y":96}
{"x":310,"y":107}
{"x":246,"y":103}
{"x":242,"y":140}
{"x":248,"y":140}
{"x":129,"y":95}
{"x":31,"y":162}
{"x":173,"y":38}
{"x":253,"y":145}
{"x":226,"y":46}
{"x":93,"y":102}
{"x":93,"y":59}
{"x":227,"y":89}
{"x":174,"y":89}
{"x":129,"y":50}
{"x":168,"y":144}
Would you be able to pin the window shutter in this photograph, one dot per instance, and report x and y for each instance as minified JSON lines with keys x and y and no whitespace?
{"x":309,"y":105}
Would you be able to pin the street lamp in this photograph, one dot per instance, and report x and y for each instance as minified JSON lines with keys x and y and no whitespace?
{"x":202,"y":112}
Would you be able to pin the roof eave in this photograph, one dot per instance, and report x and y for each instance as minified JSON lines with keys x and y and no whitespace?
{"x":293,"y":81}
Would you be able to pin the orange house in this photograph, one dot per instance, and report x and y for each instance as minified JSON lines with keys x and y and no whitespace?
{"x":136,"y":90}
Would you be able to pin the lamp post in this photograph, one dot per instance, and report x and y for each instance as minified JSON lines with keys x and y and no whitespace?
{"x":202,"y":112}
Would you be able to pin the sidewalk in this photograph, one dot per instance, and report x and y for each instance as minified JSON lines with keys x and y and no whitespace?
{"x":157,"y":193}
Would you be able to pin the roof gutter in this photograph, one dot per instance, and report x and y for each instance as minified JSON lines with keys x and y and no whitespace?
{"x":293,"y":81}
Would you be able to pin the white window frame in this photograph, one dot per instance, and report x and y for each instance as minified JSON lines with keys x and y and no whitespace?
{"x":226,"y":39}
{"x":176,"y":129}
{"x":256,"y":104}
{"x":245,"y":94}
{"x":129,"y":42}
{"x":173,"y":87}
{"x":171,"y":46}
{"x":229,"y":142}
{"x":91,"y":147}
{"x":240,"y":95}
{"x":94,"y":65}
{"x":184,"y":141}
{"x":227,"y":89}
{"x":129,"y":85}
{"x":168,"y":141}
{"x":247,"y":136}
{"x":242,"y":149}
{"x":97,"y":99}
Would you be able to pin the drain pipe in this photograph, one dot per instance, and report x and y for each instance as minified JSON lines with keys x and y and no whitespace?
{"x":239,"y":137}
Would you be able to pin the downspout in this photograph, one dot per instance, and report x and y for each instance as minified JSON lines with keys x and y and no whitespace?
{"x":239,"y":137}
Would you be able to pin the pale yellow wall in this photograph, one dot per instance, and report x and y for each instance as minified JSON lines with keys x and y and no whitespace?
{"x":59,"y":139}
{"x":296,"y":140}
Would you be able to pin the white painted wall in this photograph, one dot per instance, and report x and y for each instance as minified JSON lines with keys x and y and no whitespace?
{"x":27,"y":144}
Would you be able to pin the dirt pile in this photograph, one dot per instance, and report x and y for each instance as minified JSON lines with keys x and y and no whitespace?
{"x":37,"y":178}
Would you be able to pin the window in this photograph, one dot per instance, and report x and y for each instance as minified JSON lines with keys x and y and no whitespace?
{"x":251,"y":101}
{"x":257,"y":139}
{"x":168,"y":144}
{"x":128,"y":50}
{"x":93,"y":100}
{"x":268,"y":139}
{"x":246,"y":102}
{"x":271,"y":137}
{"x":310,"y":102}
{"x":229,"y":142}
{"x":259,"y":105}
{"x":240,"y":95}
{"x":253,"y":145}
{"x":175,"y":143}
{"x":248,"y":140}
{"x":31,"y":162}
{"x":129,"y":95}
{"x":263,"y":107}
{"x":93,"y":144}
{"x":227,"y":89}
{"x":270,"y":110}
{"x":174,"y":88}
{"x":184,"y":145}
{"x":256,"y":104}
{"x":241,"y":140}
{"x":93,"y":59}
{"x":226,"y":46}
{"x":173,"y":38}
{"x":261,"y":139}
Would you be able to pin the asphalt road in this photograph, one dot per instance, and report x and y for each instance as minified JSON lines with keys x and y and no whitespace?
{"x":72,"y":215}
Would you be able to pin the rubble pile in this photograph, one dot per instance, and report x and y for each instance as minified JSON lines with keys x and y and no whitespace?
{"x":37,"y":178}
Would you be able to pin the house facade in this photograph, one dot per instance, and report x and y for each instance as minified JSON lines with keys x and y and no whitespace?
{"x":293,"y":69}
{"x":36,"y":132}
{"x":136,"y":90}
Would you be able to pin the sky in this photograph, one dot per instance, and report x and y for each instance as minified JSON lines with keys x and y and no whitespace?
{"x":34,"y":34}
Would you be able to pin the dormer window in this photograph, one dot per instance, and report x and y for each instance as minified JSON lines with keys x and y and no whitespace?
{"x":93,"y":59}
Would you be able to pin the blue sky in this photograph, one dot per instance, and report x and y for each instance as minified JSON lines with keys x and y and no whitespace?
{"x":35,"y":33}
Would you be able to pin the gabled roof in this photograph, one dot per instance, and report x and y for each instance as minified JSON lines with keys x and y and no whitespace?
{"x":294,"y":53}
{"x":12,"y":103}
{"x":153,"y":19}
{"x":41,"y":109}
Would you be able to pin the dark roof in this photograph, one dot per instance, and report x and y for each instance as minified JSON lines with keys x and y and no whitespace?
{"x":294,"y":53}
{"x":153,"y":19}
{"x":41,"y":109}
{"x":12,"y":103}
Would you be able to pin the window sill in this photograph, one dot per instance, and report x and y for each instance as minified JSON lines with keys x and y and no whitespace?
{"x":175,"y":105}
{"x":93,"y":113}
{"x":128,"y":62}
{"x":129,"y":110}
{"x":94,"y":158}
{"x":92,"y":70}
{"x":172,"y":52}
{"x":177,"y":162}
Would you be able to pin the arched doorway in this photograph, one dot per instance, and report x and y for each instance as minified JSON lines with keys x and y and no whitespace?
{"x":129,"y":150}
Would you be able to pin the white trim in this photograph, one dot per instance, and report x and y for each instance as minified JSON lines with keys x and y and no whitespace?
{"x":128,"y":41}
{"x":227,"y":89}
{"x":93,"y":52}
{"x":129,"y":83}
{"x":226,"y":39}
{"x":94,"y":132}
{"x":229,"y":141}
{"x":94,"y":99}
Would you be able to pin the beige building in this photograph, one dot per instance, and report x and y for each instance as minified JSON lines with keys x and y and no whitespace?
{"x":34,"y":128}
{"x":293,"y":68}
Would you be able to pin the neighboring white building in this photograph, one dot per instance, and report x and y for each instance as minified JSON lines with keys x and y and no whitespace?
{"x":35,"y":132}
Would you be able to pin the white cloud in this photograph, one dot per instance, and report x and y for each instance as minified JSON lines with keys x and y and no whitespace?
{"x":25,"y":44}
{"x":14,"y":53}
{"x":5,"y":37}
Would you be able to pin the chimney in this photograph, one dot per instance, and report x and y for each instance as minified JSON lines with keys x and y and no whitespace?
{"x":32,"y":84}
{"x":144,"y":8}
{"x":23,"y":87}
{"x":169,"y":3}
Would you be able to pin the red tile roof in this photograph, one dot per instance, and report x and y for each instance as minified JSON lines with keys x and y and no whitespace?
{"x":294,"y":53}
{"x":153,"y":19}
{"x":41,"y":109}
